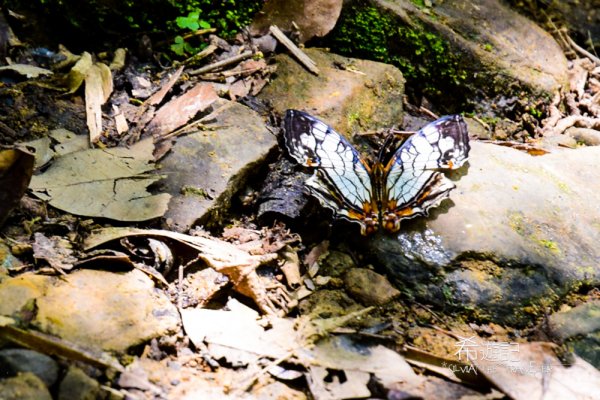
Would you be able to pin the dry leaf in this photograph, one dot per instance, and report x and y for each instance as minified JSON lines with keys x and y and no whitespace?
{"x":238,"y":265}
{"x":179,"y":111}
{"x":109,"y":183}
{"x":98,"y":87}
{"x":28,"y":71}
{"x":533,"y":371}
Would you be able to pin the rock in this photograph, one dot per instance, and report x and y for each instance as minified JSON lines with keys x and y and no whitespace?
{"x":17,"y":294}
{"x":96,"y":309}
{"x":7,"y":260}
{"x":517,"y":230}
{"x":13,"y":361}
{"x":206,"y":168}
{"x":25,"y":386}
{"x":369,"y":287}
{"x":349,"y":94}
{"x":327,"y":304}
{"x":105,"y":310}
{"x":76,"y":385}
{"x":580,"y":327}
{"x":454,"y":48}
{"x":589,"y":137}
{"x":310,"y":17}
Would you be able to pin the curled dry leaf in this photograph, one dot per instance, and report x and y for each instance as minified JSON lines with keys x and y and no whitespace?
{"x":238,"y":265}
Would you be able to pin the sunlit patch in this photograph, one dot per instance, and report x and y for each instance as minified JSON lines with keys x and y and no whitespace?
{"x":374,"y":195}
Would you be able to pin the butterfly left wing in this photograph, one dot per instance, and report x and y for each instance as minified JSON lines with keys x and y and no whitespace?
{"x":413,"y":181}
{"x":341,"y":180}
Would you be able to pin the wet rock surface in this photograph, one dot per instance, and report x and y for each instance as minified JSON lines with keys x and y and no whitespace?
{"x":518,"y":229}
{"x":579,"y":327}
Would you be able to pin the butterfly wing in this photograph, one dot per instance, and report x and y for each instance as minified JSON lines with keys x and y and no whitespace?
{"x":413,"y":181}
{"x":341,"y":180}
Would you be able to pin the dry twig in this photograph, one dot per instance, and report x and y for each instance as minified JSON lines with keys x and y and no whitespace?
{"x":299,"y":54}
{"x":224,"y":63}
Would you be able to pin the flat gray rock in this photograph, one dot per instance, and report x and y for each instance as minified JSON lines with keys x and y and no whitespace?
{"x":206,"y":168}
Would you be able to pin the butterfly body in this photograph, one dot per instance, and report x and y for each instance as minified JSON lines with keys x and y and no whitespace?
{"x":385,"y":192}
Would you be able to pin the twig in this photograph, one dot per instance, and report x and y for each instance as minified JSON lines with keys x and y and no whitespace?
{"x":482,"y":123}
{"x":583,"y":51}
{"x":428,"y":112}
{"x":208,"y":50}
{"x":223,"y":63}
{"x":573,"y":120}
{"x":299,"y":54}
{"x":215,"y":76}
{"x":199,"y":32}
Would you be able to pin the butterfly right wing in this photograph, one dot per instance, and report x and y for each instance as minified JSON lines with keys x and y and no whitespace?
{"x":341,"y":180}
{"x":413,"y":181}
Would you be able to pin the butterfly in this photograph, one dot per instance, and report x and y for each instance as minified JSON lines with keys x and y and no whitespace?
{"x":379,"y":194}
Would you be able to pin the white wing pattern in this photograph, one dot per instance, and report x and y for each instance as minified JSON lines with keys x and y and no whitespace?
{"x":406,"y":186}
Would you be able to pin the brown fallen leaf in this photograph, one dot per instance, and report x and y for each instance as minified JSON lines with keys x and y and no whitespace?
{"x":179,"y":111}
{"x":16,"y":168}
{"x":109,"y":183}
{"x":299,"y":343}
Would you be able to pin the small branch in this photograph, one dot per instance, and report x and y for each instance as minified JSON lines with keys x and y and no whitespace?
{"x":582,"y":51}
{"x":299,"y":54}
{"x":223,"y":63}
{"x":208,"y":50}
{"x":573,"y":120}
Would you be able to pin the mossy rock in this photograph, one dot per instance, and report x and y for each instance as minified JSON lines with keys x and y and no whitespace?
{"x":455,"y":50}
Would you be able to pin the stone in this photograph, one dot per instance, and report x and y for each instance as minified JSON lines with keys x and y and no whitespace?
{"x":580,"y":320}
{"x":25,"y":386}
{"x":579,"y":327}
{"x":309,"y":17}
{"x":369,"y":287}
{"x":13,"y":361}
{"x":517,"y":230}
{"x":96,"y":309}
{"x":17,"y":294}
{"x":206,"y":168}
{"x":76,"y":385}
{"x":457,"y":48}
{"x":349,"y":94}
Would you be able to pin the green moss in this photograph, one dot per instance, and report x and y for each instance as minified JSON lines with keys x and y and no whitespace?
{"x":424,"y":58}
